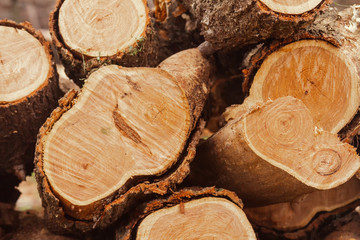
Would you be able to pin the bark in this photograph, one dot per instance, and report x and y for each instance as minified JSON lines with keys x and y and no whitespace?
{"x":21,"y":119}
{"x":273,"y":154}
{"x":65,"y":215}
{"x":329,"y":29}
{"x":163,"y":36}
{"x":32,"y":226}
{"x":130,"y":229}
{"x":295,"y":215}
{"x":233,"y":24}
{"x":325,"y":225}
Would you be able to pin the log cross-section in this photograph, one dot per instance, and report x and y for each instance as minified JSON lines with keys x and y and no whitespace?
{"x":314,"y":71}
{"x":130,"y":132}
{"x":24,"y":64}
{"x":28,"y":93}
{"x":273,"y":154}
{"x":205,"y":218}
{"x":102,"y":28}
{"x":191,"y":213}
{"x":291,"y":7}
{"x":121,"y":114}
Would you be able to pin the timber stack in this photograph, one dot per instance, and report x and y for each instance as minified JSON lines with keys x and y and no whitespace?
{"x":141,"y":152}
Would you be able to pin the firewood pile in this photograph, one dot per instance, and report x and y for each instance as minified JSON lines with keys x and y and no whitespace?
{"x":181,"y":119}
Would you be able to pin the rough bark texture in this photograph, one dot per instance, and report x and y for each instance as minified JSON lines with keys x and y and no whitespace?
{"x":174,"y":29}
{"x":320,"y":227}
{"x":109,"y":210}
{"x":230,"y":24}
{"x":292,"y":216}
{"x":328,"y":26}
{"x":163,"y":37}
{"x":127,"y":230}
{"x":20,"y":121}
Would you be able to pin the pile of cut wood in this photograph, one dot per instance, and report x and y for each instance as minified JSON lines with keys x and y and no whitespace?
{"x":195,"y":120}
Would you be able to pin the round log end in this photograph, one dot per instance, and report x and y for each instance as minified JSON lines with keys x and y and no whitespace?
{"x":204,"y":218}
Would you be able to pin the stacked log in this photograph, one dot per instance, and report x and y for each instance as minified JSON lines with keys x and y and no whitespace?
{"x":273,"y":154}
{"x":294,"y":216}
{"x":191,"y":213}
{"x":113,"y":155}
{"x":95,"y":157}
{"x":89,"y":35}
{"x":28,"y":93}
{"x":233,"y":24}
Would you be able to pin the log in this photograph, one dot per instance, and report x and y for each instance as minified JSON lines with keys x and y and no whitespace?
{"x":89,"y":35}
{"x":129,"y":134}
{"x":295,"y":215}
{"x":321,"y":64}
{"x":193,"y":213}
{"x":28,"y":93}
{"x":324,"y":226}
{"x":232,"y":24}
{"x":272,"y":154}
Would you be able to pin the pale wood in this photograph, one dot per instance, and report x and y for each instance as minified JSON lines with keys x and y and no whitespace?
{"x":102,"y":27}
{"x":273,"y":154}
{"x":130,"y":133}
{"x":291,"y":6}
{"x":298,"y":213}
{"x":28,"y":93}
{"x":118,"y":143}
{"x":315,"y":72}
{"x":24,"y":64}
{"x":205,"y":218}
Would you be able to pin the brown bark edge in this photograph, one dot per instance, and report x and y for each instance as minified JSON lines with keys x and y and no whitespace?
{"x":111,"y":209}
{"x":126,"y":231}
{"x":20,"y":121}
{"x":318,"y":228}
{"x":329,"y":27}
{"x":78,"y":66}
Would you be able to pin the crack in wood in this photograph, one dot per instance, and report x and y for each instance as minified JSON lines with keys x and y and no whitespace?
{"x":124,"y":128}
{"x":134,"y":85}
{"x":128,"y":132}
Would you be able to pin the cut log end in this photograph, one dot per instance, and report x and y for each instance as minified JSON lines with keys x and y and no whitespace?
{"x":274,"y":153}
{"x":28,"y":93}
{"x":283,"y":133}
{"x":24,"y":64}
{"x":291,"y":6}
{"x":118,"y":144}
{"x":205,"y":218}
{"x":103,"y":28}
{"x":315,"y":72}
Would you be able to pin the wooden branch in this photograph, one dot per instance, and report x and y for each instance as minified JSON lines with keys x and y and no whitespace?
{"x":233,"y":24}
{"x":190,"y":213}
{"x":291,"y":216}
{"x":131,"y":132}
{"x":274,"y":154}
{"x":28,"y":93}
{"x":89,"y":35}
